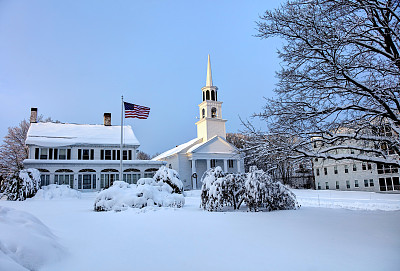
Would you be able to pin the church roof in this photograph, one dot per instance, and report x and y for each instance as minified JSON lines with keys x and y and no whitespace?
{"x":178,"y":149}
{"x":65,"y":134}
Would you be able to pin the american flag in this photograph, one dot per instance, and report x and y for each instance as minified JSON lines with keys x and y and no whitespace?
{"x":136,"y":111}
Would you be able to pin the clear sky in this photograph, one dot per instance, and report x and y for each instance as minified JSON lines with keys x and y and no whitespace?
{"x":74,"y":59}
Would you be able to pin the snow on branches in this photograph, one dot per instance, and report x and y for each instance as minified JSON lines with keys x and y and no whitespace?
{"x":22,"y":185}
{"x":165,"y":189}
{"x":340,"y":81}
{"x":256,"y":189}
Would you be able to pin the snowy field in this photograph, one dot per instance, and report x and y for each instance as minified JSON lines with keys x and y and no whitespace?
{"x":331,"y":231}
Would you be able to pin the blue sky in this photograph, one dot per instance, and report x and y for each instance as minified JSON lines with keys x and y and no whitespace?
{"x":74,"y":59}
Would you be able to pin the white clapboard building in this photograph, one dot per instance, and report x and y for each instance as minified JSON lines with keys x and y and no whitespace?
{"x":210,"y":148}
{"x":86,"y":157}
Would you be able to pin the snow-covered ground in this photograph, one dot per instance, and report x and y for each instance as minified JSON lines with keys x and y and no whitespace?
{"x":332,"y":230}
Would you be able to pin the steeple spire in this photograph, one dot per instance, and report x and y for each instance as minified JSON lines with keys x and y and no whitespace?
{"x":209,"y":76}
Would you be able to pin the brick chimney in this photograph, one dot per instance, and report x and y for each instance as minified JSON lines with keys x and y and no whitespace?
{"x":33,"y":115}
{"x":107,"y":119}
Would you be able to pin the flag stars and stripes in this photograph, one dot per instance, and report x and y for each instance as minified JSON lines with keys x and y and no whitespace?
{"x":136,"y":111}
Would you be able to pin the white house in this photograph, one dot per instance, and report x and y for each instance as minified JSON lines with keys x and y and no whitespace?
{"x":210,"y":148}
{"x":86,"y":157}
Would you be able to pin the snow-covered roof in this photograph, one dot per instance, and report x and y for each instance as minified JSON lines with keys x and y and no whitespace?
{"x":65,"y":134}
{"x":177,"y":149}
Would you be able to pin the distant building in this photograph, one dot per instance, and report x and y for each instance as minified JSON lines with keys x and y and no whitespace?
{"x":86,"y":157}
{"x":354,"y":175}
{"x":210,"y":148}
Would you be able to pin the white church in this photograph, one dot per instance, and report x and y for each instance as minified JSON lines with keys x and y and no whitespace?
{"x":210,"y":148}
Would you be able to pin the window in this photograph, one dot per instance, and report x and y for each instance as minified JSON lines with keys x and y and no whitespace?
{"x":44,"y":179}
{"x":337,"y":184}
{"x":203,"y":113}
{"x":346,"y":169}
{"x":354,"y":167}
{"x":62,"y":154}
{"x":230,"y":163}
{"x":319,"y":186}
{"x":208,"y":95}
{"x":325,"y":171}
{"x":124,"y":155}
{"x":36,"y":153}
{"x":213,"y":95}
{"x":364,"y":166}
{"x":316,"y":159}
{"x":213,"y":112}
{"x":387,"y":169}
{"x":107,"y":155}
{"x":348,"y":184}
{"x":204,"y":96}
{"x":43,"y":153}
{"x":317,"y":171}
{"x":326,"y":185}
{"x":356,"y":183}
{"x":369,"y":166}
{"x":371,"y":182}
{"x":335,"y":170}
{"x":86,"y":154}
{"x":365,"y":183}
{"x":149,"y":173}
{"x":213,"y":162}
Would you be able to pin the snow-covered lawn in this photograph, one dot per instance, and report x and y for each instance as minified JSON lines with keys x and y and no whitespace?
{"x":332,"y":231}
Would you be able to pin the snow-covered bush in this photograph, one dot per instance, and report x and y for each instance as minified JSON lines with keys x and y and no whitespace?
{"x":256,"y":189}
{"x":22,"y":185}
{"x":219,"y":190}
{"x":55,"y":191}
{"x":170,"y":177}
{"x":25,"y":242}
{"x":164,"y":189}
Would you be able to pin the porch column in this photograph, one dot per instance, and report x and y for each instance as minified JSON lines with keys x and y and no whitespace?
{"x":225,"y":165}
{"x":194,"y":183}
{"x":208,"y":164}
{"x":238,"y":165}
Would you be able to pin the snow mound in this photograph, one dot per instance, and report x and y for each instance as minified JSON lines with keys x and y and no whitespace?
{"x":55,"y":191}
{"x":163,"y":190}
{"x":25,"y":242}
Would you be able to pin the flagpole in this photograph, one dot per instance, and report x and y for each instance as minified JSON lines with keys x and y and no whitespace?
{"x":122,"y":132}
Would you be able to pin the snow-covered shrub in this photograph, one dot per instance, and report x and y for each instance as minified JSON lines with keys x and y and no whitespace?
{"x":22,"y":185}
{"x":164,"y":189}
{"x":219,"y":190}
{"x":25,"y":242}
{"x":256,"y":189}
{"x":55,"y":191}
{"x":169,"y":177}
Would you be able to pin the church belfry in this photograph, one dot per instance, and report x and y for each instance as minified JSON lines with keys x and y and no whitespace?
{"x":211,"y":123}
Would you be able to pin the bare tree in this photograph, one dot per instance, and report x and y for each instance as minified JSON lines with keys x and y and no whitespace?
{"x":13,"y":151}
{"x":143,"y":156}
{"x":339,"y":87}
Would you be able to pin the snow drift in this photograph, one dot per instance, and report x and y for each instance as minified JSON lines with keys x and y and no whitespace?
{"x":55,"y":191}
{"x":163,"y":190}
{"x":25,"y":242}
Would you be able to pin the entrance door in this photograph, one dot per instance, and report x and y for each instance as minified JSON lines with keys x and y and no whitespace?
{"x":87,"y":181}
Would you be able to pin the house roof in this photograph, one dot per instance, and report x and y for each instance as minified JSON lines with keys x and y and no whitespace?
{"x":65,"y":134}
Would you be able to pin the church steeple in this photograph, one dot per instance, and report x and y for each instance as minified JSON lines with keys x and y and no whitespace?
{"x":209,"y":75}
{"x":211,"y":123}
{"x":209,"y":91}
